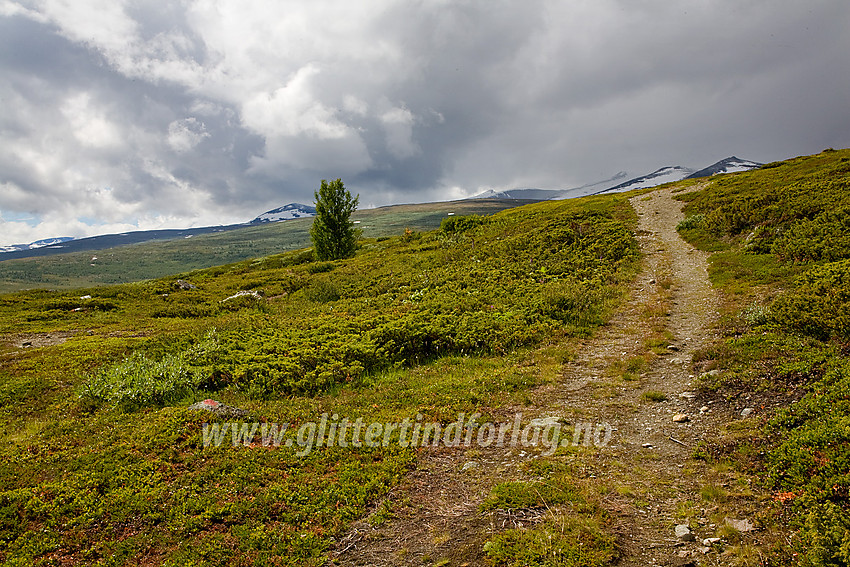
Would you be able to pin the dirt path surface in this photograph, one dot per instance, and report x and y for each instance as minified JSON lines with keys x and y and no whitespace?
{"x":619,"y":377}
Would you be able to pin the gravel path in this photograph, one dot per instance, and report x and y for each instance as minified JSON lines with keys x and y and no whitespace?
{"x":648,"y":454}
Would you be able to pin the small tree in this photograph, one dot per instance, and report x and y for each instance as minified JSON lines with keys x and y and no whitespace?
{"x":333,"y":234}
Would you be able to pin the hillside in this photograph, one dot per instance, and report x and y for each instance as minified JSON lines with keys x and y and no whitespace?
{"x":102,"y":462}
{"x":211,"y":247}
{"x":563,"y":383}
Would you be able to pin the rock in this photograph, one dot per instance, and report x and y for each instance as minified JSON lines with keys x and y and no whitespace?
{"x":740,"y":525}
{"x":684,"y":533}
{"x":688,"y":395}
{"x":681,"y":418}
{"x":183,"y":284}
{"x":704,"y":550}
{"x":709,"y":541}
{"x":647,"y":445}
{"x":219,"y":409}
{"x":244,"y":293}
{"x":703,"y":409}
{"x":746,"y":412}
{"x":544,"y":422}
{"x":470,"y":465}
{"x":672,"y":347}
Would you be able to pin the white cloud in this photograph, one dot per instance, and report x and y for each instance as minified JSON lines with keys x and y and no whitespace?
{"x":185,"y":134}
{"x":89,"y":125}
{"x":398,"y":125}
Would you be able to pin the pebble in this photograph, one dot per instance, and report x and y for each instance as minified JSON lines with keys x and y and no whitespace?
{"x":684,"y":533}
{"x":703,"y":409}
{"x":681,"y":418}
{"x":746,"y":412}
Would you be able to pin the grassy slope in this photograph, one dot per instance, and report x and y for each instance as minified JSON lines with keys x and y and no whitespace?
{"x":784,"y":261}
{"x":101,"y":462}
{"x":157,"y":259}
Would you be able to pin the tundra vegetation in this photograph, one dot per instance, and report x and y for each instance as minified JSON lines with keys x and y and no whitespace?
{"x":102,"y":462}
{"x":783,"y":260}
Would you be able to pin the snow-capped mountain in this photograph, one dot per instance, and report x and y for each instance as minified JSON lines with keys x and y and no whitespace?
{"x":657,"y":177}
{"x":286,"y":212}
{"x":613,"y":185}
{"x":531,"y":194}
{"x":36,"y":244}
{"x":549,"y":194}
{"x":728,"y":165}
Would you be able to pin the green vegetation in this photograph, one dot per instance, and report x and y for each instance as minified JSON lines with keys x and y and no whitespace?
{"x":152,"y":260}
{"x":559,"y":538}
{"x":787,"y":268}
{"x":102,"y":463}
{"x":332,"y":232}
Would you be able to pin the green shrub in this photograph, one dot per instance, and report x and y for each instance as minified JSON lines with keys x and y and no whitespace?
{"x":819,"y":304}
{"x":567,"y":542}
{"x":459,"y":224}
{"x":693,"y":221}
{"x":140,"y":381}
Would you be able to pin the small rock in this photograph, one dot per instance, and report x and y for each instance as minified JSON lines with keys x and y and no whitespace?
{"x":543,"y":422}
{"x":704,"y":550}
{"x":469,"y":465}
{"x":652,"y":281}
{"x":672,"y":347}
{"x":681,"y":418}
{"x":647,"y":445}
{"x":740,"y":525}
{"x":688,"y":395}
{"x":26,"y":343}
{"x":709,"y":541}
{"x":684,"y":533}
{"x":85,"y":297}
{"x":703,"y":409}
{"x":219,"y":409}
{"x":244,"y":293}
{"x":183,"y":284}
{"x":746,"y":412}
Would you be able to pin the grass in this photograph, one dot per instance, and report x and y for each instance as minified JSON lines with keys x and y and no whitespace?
{"x":158,"y":259}
{"x":102,"y":463}
{"x":785,"y":267}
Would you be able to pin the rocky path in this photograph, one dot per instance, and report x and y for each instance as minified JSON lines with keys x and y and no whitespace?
{"x":613,"y":380}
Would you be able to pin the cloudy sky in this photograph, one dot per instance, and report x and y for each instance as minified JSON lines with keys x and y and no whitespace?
{"x":136,"y":114}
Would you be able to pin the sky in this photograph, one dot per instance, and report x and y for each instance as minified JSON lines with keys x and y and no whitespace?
{"x":121,"y":115}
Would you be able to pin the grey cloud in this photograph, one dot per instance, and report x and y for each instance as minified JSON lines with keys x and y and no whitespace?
{"x":241,"y":110}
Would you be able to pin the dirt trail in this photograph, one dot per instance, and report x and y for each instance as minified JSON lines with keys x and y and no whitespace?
{"x":647,"y":457}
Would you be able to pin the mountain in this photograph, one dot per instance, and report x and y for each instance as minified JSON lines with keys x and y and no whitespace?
{"x":547,"y":194}
{"x":728,"y":165}
{"x":529,"y":194}
{"x":36,"y":244}
{"x":286,"y":212}
{"x":62,"y":245}
{"x":657,"y":177}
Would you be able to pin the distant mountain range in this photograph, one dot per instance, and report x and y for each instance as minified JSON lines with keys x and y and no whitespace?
{"x":657,"y":177}
{"x":291,"y":211}
{"x":36,"y":244}
{"x":62,"y":245}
